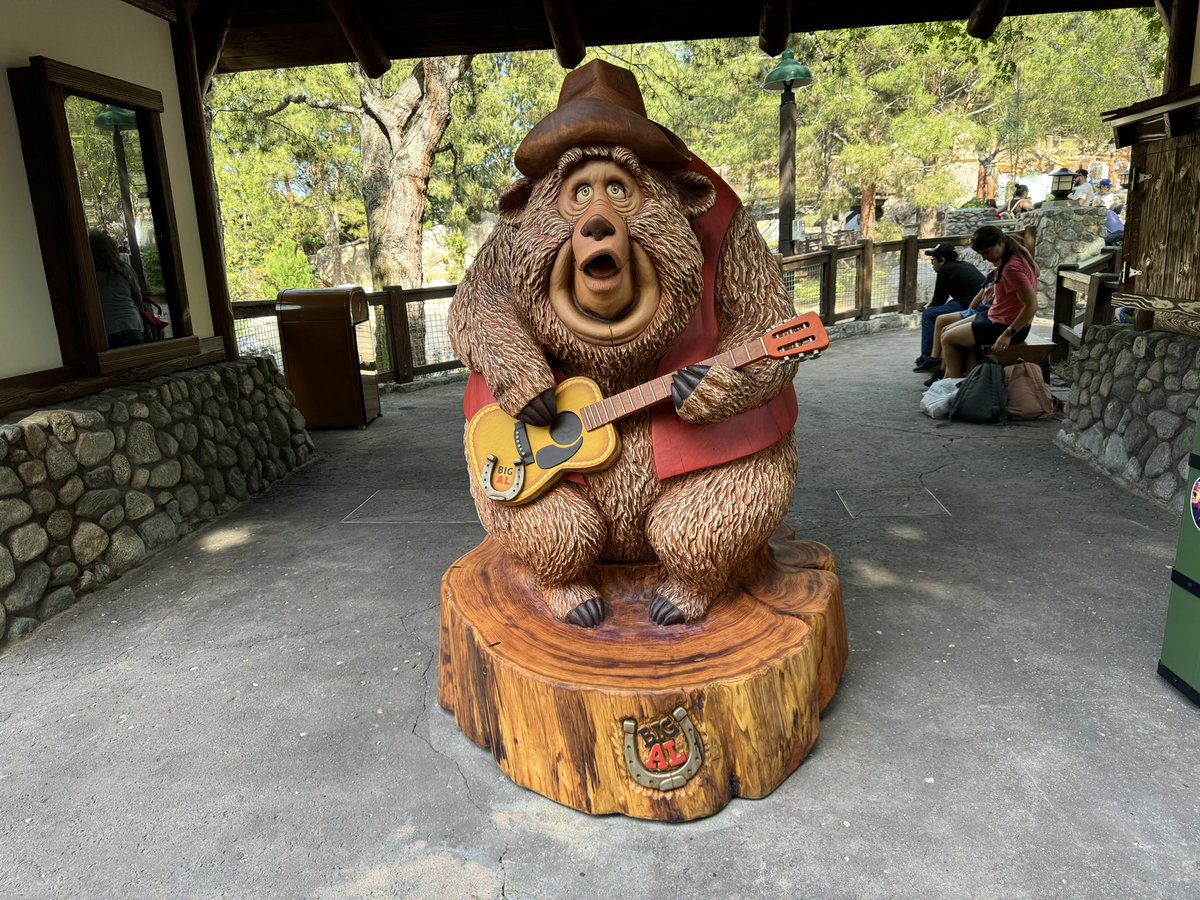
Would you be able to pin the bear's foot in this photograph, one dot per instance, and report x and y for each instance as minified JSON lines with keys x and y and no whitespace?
{"x":664,"y":612}
{"x":578,"y":603}
{"x":587,"y":614}
{"x":675,"y":603}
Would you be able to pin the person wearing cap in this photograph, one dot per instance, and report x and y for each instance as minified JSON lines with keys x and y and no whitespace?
{"x":1104,"y":192}
{"x":957,"y":284}
{"x":1084,"y":193}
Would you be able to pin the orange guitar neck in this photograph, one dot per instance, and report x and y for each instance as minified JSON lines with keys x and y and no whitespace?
{"x":634,"y":400}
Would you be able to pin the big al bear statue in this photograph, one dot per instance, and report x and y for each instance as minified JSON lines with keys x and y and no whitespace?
{"x":621,"y":257}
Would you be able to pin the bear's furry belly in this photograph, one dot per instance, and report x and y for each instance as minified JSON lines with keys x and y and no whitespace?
{"x":625,"y":492}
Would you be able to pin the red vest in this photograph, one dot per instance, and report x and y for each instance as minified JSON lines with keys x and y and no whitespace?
{"x":679,"y":446}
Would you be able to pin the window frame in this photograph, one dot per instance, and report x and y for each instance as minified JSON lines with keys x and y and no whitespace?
{"x":39,"y":93}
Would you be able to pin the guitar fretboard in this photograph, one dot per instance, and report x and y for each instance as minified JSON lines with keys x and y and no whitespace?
{"x":634,"y":400}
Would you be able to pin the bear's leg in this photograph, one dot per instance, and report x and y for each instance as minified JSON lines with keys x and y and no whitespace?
{"x":706,"y":522}
{"x":558,"y":537}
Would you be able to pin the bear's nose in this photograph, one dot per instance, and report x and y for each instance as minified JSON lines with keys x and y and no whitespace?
{"x":597,"y":228}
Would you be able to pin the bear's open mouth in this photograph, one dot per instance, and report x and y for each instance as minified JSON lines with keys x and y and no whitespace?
{"x":602,"y":266}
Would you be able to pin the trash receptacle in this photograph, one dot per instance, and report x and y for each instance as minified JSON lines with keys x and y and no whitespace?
{"x":329,"y":356}
{"x":1180,"y":660}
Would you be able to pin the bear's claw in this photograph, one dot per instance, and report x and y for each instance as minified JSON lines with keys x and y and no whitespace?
{"x":541,"y":410}
{"x":664,"y":612}
{"x":587,"y":614}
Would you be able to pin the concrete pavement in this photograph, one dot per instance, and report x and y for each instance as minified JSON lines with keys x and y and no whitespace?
{"x":253,"y":712}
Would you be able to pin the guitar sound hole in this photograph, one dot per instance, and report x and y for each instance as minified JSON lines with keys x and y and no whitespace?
{"x":566,"y":428}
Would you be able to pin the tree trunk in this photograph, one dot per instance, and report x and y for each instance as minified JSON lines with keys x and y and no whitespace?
{"x":333,"y":242}
{"x":577,"y":716}
{"x":866,"y":215}
{"x":927,"y":221}
{"x":399,"y":137}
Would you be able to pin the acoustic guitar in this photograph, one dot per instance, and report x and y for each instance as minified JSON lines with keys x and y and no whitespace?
{"x":582,"y":437}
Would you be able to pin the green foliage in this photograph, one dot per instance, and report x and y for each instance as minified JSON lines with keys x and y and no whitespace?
{"x":152,"y":267}
{"x":287,"y":267}
{"x":286,"y":171}
{"x":894,"y":107}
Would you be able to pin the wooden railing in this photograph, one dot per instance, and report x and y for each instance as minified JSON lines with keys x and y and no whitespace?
{"x":869,"y":278}
{"x":842,"y":281}
{"x":409,"y":328}
{"x":1083,"y":297}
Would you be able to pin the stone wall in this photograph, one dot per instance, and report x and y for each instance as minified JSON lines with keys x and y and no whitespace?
{"x":1066,"y":235}
{"x":1132,"y":409}
{"x":91,"y":487}
{"x":965,"y":221}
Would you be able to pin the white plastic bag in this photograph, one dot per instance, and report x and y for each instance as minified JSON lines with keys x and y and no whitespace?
{"x":936,"y":401}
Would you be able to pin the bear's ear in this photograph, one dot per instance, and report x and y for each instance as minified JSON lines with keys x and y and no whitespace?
{"x":696,"y":192}
{"x":513,"y":201}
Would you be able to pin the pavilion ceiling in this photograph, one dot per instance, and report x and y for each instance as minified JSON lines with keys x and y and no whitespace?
{"x":238,"y":35}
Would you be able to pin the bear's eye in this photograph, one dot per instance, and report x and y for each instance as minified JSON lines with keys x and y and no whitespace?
{"x":583,"y":192}
{"x":616,"y":190}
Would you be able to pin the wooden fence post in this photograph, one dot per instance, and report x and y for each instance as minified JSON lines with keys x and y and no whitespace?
{"x":402,"y":356}
{"x":909,"y":257}
{"x":1064,"y":314}
{"x":829,"y":285}
{"x":865,"y":279}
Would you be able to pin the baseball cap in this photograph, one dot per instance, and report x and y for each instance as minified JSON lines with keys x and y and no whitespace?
{"x":1104,"y":182}
{"x":943,"y":251}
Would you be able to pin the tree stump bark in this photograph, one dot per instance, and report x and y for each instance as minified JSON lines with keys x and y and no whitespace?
{"x":665,"y":723}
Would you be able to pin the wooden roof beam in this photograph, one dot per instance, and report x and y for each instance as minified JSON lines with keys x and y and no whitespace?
{"x":1164,"y":12}
{"x":564,"y":32}
{"x":356,"y":27}
{"x":210,"y":27}
{"x":774,"y":26}
{"x":985,"y":18}
{"x":1181,"y":44}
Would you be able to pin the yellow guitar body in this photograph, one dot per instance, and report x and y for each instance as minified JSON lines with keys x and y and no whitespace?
{"x":515,"y":462}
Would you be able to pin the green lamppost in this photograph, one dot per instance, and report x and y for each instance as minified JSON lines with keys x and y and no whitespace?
{"x":784,"y":77}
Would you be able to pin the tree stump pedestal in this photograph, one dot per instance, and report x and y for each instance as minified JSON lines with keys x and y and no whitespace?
{"x":665,"y":723}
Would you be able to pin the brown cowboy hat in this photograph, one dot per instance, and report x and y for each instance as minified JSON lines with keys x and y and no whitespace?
{"x":599,"y":104}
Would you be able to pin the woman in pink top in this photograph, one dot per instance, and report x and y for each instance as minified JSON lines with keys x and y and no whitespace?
{"x":1013,"y":309}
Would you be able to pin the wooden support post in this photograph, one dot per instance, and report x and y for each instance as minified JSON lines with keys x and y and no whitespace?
{"x":402,"y":355}
{"x":1064,"y":314}
{"x":204,"y":182}
{"x":909,"y":257}
{"x":210,"y":27}
{"x":355,"y":25}
{"x":865,"y":280}
{"x":1181,"y":44}
{"x":774,"y":26}
{"x":564,"y":32}
{"x":985,"y":18}
{"x":829,"y":285}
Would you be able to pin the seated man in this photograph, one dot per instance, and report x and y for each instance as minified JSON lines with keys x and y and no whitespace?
{"x":957,"y":284}
{"x":1114,"y":226}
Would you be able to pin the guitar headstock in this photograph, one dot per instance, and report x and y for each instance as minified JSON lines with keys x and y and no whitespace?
{"x":802,"y":336}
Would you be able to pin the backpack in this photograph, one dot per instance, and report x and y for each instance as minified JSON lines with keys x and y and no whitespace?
{"x":1028,"y":394}
{"x":936,"y":401}
{"x":982,"y":397}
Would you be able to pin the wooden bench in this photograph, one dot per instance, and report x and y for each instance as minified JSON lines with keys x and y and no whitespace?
{"x":1036,"y":352}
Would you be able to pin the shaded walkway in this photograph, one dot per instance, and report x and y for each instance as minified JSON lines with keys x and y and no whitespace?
{"x":252,"y":714}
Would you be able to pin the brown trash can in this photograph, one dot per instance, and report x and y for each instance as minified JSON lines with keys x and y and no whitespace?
{"x":329,"y":355}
